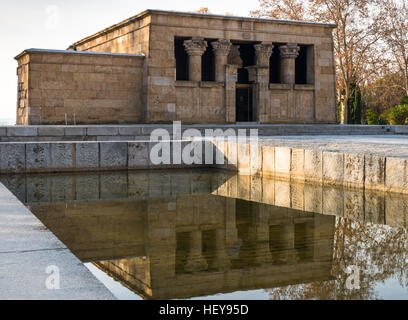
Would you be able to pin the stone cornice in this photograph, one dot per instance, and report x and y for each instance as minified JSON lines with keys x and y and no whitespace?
{"x":150,"y":12}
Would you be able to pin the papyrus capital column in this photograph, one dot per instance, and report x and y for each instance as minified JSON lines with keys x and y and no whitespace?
{"x":288,"y":54}
{"x":195,"y":49}
{"x":221,"y":50}
{"x":263,"y":53}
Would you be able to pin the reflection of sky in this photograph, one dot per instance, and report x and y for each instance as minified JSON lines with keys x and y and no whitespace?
{"x":391,"y":290}
{"x":239,"y":295}
{"x":123,"y":293}
{"x":118,"y":290}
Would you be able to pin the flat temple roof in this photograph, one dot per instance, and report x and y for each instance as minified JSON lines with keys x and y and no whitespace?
{"x":77,"y":52}
{"x":214,"y":16}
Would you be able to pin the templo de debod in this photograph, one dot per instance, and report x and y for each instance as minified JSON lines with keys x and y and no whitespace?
{"x":162,"y":66}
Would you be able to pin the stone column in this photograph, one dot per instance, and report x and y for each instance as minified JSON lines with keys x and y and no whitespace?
{"x":263,"y":53}
{"x":259,"y":74}
{"x":221,"y":50}
{"x":195,"y":260}
{"x":231,"y":78}
{"x":288,"y":54}
{"x":195,"y":49}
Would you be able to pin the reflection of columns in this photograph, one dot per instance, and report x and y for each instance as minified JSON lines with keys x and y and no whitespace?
{"x":221,"y":50}
{"x":288,"y":242}
{"x":288,"y":236}
{"x":221,"y":259}
{"x":231,"y":72}
{"x":160,"y":242}
{"x":259,"y":233}
{"x":230,"y":221}
{"x":288,"y":54}
{"x":195,"y":49}
{"x":195,"y":260}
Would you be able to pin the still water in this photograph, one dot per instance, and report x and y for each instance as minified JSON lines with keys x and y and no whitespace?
{"x":203,"y":234}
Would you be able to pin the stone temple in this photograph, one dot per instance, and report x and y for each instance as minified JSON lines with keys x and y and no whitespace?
{"x":161,"y":66}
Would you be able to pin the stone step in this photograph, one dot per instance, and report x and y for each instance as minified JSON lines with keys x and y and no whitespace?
{"x":143,"y":131}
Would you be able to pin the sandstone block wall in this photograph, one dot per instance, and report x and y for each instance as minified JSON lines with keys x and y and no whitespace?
{"x":86,"y":87}
{"x":311,"y":103}
{"x":196,"y":102}
{"x":164,"y":99}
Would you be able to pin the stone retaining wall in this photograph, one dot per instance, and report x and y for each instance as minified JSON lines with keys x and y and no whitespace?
{"x":26,"y":157}
{"x":330,"y":168}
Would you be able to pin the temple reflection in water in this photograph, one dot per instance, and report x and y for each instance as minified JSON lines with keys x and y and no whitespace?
{"x":195,"y":233}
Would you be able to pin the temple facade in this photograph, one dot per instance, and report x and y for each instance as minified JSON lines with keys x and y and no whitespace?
{"x":160,"y":66}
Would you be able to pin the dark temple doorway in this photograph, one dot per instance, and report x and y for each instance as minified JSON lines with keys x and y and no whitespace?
{"x":244,"y":107}
{"x":244,"y":103}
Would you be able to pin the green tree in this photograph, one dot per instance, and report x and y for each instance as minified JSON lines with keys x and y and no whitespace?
{"x":354,"y":105}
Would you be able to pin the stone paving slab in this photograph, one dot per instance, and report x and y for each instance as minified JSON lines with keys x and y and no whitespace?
{"x":381,"y":145}
{"x":23,"y":276}
{"x":27,"y":248}
{"x":143,"y":131}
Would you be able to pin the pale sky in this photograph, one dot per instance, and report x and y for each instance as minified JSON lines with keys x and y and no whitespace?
{"x":55,"y":24}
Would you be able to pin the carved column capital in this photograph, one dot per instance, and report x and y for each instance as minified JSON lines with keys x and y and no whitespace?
{"x":195,"y":47}
{"x":263,"y":52}
{"x":289,"y":51}
{"x":221,"y":47}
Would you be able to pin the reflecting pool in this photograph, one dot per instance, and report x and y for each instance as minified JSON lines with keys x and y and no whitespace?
{"x":205,"y":234}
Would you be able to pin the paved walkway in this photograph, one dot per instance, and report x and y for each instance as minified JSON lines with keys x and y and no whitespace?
{"x":27,"y":248}
{"x":383,"y":145}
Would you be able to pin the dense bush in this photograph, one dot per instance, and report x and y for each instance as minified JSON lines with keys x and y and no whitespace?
{"x":398,"y":115}
{"x":372,"y":117}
